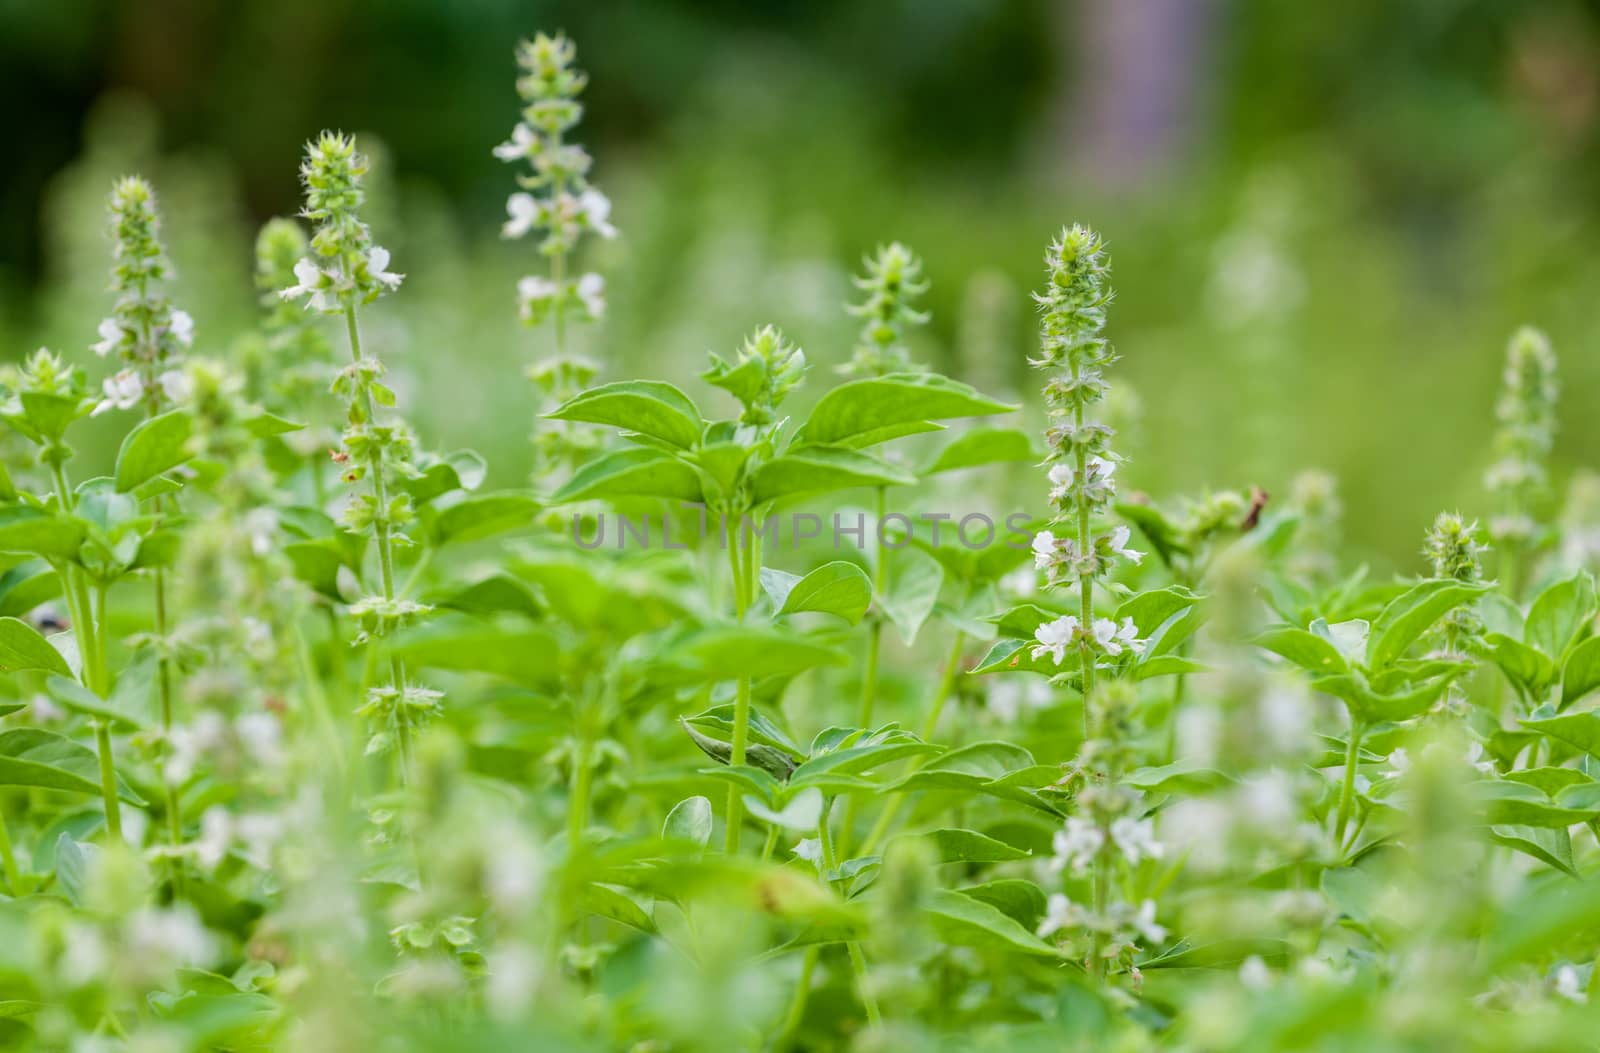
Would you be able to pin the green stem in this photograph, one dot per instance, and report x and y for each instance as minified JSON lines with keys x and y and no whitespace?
{"x":858,"y":960}
{"x":1352,"y":756}
{"x":946,"y":689}
{"x":869,"y":674}
{"x":1085,"y":583}
{"x":802,"y":993}
{"x":108,"y":779}
{"x":8,"y":860}
{"x":741,"y":570}
{"x":582,"y":778}
{"x":380,"y":495}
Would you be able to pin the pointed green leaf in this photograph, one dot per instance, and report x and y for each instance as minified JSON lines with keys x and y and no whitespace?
{"x":876,"y":403}
{"x":1559,"y":614}
{"x":649,"y":407}
{"x":635,"y":472}
{"x":21,"y":648}
{"x":983,"y":446}
{"x":816,"y":469}
{"x":1413,"y":613}
{"x":154,"y":446}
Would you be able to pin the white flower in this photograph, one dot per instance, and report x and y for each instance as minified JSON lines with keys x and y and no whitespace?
{"x":1475,"y":758}
{"x":1254,"y":974}
{"x":524,"y":213}
{"x":1060,"y":913}
{"x":315,"y":283}
{"x":261,"y":526}
{"x":176,"y":385}
{"x":520,"y":144}
{"x":1117,"y":541}
{"x":258,"y":833}
{"x":1569,"y":986}
{"x":378,"y":268}
{"x":1044,"y":550}
{"x":110,"y":337}
{"x":1021,"y":582}
{"x":1055,"y":637}
{"x":190,"y":743}
{"x":1076,"y":845}
{"x":1010,"y":695}
{"x":261,"y":735}
{"x":1399,"y":763}
{"x":809,"y":849}
{"x":181,"y":325}
{"x":595,"y":209}
{"x":161,"y":939}
{"x":123,"y":390}
{"x":534,"y":289}
{"x":513,"y":869}
{"x":592,"y":291}
{"x":1061,"y":476}
{"x":1145,"y":922}
{"x":216,"y":834}
{"x":1136,"y":838}
{"x":1112,"y":638}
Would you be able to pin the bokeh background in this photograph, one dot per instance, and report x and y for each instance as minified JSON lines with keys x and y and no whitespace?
{"x":1325,"y":219}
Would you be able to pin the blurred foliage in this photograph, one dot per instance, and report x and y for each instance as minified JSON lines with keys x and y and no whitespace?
{"x":1374,"y":197}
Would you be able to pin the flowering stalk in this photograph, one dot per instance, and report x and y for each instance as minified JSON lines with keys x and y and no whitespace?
{"x":1081,"y":461}
{"x":1519,"y":476}
{"x":149,"y":336}
{"x":345,"y":271}
{"x":556,"y":200}
{"x":892,"y":283}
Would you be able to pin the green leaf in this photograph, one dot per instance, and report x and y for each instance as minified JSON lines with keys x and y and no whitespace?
{"x":1374,"y":706}
{"x":1184,"y":777}
{"x":801,"y":814}
{"x":876,"y":404}
{"x":839,"y":588}
{"x":608,"y":902}
{"x":816,"y":469}
{"x":1154,"y":608}
{"x":26,"y":587}
{"x":762,"y":728}
{"x":969,"y":846}
{"x":155,"y":446}
{"x":1549,"y":846}
{"x":983,"y":446}
{"x":25,"y":529}
{"x":484,"y":515}
{"x":1560,"y":614}
{"x":1581,"y":674}
{"x":854,"y":759}
{"x":74,"y":861}
{"x":689,"y":821}
{"x":960,"y":919}
{"x":1413,"y":613}
{"x":649,"y":407}
{"x":1016,"y":898}
{"x":1016,"y":656}
{"x":914,"y":579}
{"x":1578,"y":730}
{"x":461,"y":470}
{"x":1305,"y":649}
{"x":1526,"y":667}
{"x":497,"y":593}
{"x":267,"y":425}
{"x":43,"y":759}
{"x":734,"y":651}
{"x":634,"y":472}
{"x":22,"y":648}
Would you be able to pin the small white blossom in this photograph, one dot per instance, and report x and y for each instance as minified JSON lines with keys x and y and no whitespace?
{"x":1011,"y":695}
{"x":314,"y":282}
{"x":1145,"y":922}
{"x":1476,"y":758}
{"x":1022,"y":582}
{"x":378,"y":268}
{"x":261,"y":735}
{"x":1254,"y":974}
{"x":181,"y":326}
{"x":809,"y":849}
{"x":520,"y":145}
{"x":1060,"y":913}
{"x":1061,"y":476}
{"x":1117,"y":542}
{"x":592,"y":291}
{"x":1112,"y":638}
{"x":160,"y":940}
{"x":595,"y":209}
{"x":1399,"y":763}
{"x":110,"y":337}
{"x":1076,"y":845}
{"x":524,"y":213}
{"x":1569,"y":986}
{"x":1055,"y":637}
{"x":1044,"y":550}
{"x":1136,"y":838}
{"x":176,"y":385}
{"x":123,"y":390}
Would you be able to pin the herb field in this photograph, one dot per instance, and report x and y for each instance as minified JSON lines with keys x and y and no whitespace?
{"x":793,"y":706}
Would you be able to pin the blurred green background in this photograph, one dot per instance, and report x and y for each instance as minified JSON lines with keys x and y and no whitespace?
{"x":1325,"y":219}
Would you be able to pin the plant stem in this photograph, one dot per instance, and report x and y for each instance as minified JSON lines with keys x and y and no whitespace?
{"x":858,"y":960}
{"x":741,"y":569}
{"x":802,"y":993}
{"x":1085,"y":582}
{"x":1352,"y":756}
{"x":8,"y":860}
{"x":380,"y":524}
{"x":108,"y":779}
{"x":946,"y":689}
{"x":869,"y":674}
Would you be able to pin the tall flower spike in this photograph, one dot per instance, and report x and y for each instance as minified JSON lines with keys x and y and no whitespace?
{"x":1527,"y":415}
{"x":1081,"y":462}
{"x":892,"y":283}
{"x":556,"y":202}
{"x":1453,"y":549}
{"x":145,"y":332}
{"x":344,"y":267}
